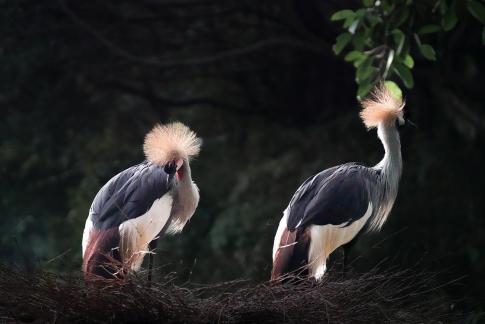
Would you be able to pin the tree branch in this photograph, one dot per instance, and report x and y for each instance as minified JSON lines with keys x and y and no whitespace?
{"x":205,"y":60}
{"x":191,"y":102}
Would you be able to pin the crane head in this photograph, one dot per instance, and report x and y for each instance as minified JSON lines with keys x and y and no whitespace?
{"x":383,"y":107}
{"x":171,"y":143}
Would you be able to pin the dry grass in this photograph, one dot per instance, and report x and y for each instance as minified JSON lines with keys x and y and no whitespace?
{"x":375,"y":297}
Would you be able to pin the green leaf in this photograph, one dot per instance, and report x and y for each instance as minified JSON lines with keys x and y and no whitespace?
{"x":429,"y":29}
{"x":374,"y":19}
{"x":364,"y":70}
{"x":353,"y":26}
{"x":360,"y":13}
{"x":404,"y":52}
{"x":408,"y":61}
{"x":390,"y":59}
{"x":364,"y":90}
{"x":368,"y":3}
{"x":399,"y":39}
{"x":368,"y":35}
{"x":342,"y":14}
{"x":354,"y":56}
{"x":405,"y":74}
{"x":401,"y":17}
{"x":418,"y":40}
{"x":449,"y":20}
{"x":342,"y":41}
{"x":359,"y":40}
{"x":428,"y":52}
{"x":477,"y":10}
{"x":348,"y":21}
{"x":394,"y":89}
{"x":359,"y":61}
{"x":443,"y":7}
{"x":388,"y":6}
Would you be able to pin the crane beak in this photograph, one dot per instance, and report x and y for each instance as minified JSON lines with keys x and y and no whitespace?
{"x":410,"y":124}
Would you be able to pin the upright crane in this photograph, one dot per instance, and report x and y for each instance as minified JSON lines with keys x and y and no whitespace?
{"x":332,"y":207}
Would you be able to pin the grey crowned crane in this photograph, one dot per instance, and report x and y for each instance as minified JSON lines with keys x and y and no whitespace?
{"x":332,"y":207}
{"x":141,"y":203}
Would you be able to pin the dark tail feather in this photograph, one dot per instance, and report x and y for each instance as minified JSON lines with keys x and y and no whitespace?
{"x":292,"y":254}
{"x":102,"y":257}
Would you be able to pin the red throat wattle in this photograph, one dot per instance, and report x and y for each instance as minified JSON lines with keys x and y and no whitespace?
{"x":180,"y":174}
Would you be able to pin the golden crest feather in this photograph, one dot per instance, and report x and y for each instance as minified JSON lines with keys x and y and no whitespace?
{"x":380,"y":107}
{"x":165,"y":143}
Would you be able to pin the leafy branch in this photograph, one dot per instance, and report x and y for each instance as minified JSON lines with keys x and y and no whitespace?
{"x":382,"y":35}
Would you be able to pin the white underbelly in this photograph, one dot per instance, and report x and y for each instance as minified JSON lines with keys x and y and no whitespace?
{"x":327,"y":238}
{"x":137,"y":233}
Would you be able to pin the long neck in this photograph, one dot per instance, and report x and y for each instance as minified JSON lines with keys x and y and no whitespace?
{"x":391,"y":164}
{"x":389,"y":169}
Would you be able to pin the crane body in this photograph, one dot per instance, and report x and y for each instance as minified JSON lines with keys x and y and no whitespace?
{"x":141,"y":203}
{"x":331,"y":208}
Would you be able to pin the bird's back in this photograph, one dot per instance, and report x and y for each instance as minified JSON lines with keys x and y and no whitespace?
{"x":129,"y":194}
{"x":126,"y":196}
{"x":335,"y":196}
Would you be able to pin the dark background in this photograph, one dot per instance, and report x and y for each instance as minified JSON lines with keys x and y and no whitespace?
{"x":82,"y":82}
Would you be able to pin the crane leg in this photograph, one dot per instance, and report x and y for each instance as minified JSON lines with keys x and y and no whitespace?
{"x":151,"y":247}
{"x":345,"y":259}
{"x":345,"y":256}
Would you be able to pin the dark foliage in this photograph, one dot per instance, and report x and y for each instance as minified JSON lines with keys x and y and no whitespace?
{"x":81,"y":82}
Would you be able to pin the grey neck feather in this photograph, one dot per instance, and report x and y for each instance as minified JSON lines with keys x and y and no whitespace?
{"x":390,"y":168}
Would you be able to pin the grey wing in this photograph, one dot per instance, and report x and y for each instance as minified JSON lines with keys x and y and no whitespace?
{"x":304,"y":194}
{"x":337,"y":196}
{"x":129,"y":195}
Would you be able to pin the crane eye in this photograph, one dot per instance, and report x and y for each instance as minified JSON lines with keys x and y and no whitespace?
{"x":170,"y":167}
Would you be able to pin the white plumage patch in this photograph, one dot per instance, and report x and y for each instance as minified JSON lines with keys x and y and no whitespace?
{"x":279,"y":232}
{"x":327,"y":238}
{"x":87,"y":233}
{"x":137,"y":233}
{"x":165,"y":143}
{"x":188,"y":201}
